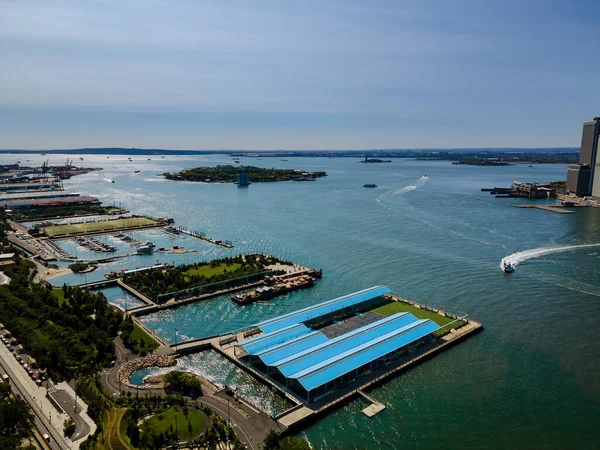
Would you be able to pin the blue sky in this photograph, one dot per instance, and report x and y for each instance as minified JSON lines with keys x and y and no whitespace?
{"x":192,"y":74}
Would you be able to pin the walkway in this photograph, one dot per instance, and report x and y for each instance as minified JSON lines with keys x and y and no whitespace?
{"x":4,"y":279}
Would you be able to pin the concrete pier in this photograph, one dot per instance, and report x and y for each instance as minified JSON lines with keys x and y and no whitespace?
{"x":303,"y":413}
{"x":222,"y":243}
{"x":551,"y":208}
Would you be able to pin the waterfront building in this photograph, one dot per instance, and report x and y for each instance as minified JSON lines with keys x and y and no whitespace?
{"x":242,"y":179}
{"x":316,"y":350}
{"x":583,"y":179}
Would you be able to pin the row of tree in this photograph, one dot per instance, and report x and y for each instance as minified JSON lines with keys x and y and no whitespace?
{"x":69,"y":336}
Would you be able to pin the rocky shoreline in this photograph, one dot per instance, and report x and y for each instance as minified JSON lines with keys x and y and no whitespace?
{"x":127,"y":369}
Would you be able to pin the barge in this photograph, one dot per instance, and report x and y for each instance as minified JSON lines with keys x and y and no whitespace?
{"x":273,"y":290}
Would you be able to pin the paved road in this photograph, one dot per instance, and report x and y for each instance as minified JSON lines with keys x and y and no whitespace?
{"x":47,"y":417}
{"x":109,"y":377}
{"x":67,"y":403}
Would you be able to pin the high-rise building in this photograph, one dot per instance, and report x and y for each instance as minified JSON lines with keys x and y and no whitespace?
{"x":583,"y":179}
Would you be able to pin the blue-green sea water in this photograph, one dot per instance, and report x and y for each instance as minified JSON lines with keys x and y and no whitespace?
{"x":529,"y":380}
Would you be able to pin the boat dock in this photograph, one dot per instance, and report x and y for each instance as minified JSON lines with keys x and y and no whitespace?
{"x":199,"y":235}
{"x":374,"y":408}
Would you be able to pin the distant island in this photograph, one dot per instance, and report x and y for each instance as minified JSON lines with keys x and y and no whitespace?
{"x":482,"y":162}
{"x":566,"y":155}
{"x":229,"y":174}
{"x":368,"y":160}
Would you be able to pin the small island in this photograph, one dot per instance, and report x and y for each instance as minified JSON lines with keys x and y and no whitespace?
{"x":229,"y":174}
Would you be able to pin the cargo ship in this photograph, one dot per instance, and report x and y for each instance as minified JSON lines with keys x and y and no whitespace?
{"x":268,"y":292}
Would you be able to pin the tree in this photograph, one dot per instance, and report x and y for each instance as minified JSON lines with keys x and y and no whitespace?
{"x":183,"y":383}
{"x":69,"y":427}
{"x":275,"y":441}
{"x":294,"y":443}
{"x":16,"y":422}
{"x":272,"y":441}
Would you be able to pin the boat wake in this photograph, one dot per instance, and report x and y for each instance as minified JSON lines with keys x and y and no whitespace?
{"x":420,"y":182}
{"x":517,"y":258}
{"x":400,"y":191}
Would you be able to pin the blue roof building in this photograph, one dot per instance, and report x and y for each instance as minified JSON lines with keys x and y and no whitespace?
{"x":293,"y":350}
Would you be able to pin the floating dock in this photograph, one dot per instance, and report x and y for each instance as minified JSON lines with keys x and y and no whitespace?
{"x":374,"y":408}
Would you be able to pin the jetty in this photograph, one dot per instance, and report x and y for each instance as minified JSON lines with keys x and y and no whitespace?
{"x":199,"y":235}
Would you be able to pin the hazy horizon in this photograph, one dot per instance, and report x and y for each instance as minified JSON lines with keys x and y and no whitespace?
{"x":374,"y":150}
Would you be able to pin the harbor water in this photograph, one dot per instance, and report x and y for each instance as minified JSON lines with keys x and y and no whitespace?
{"x":529,"y":380}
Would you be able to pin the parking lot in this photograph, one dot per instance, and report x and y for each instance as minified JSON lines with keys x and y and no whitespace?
{"x":28,"y":363}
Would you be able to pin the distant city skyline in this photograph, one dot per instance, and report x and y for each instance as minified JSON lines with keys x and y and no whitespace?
{"x":297,"y":76}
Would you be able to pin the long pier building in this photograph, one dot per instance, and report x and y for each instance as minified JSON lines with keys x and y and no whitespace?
{"x":323,"y":347}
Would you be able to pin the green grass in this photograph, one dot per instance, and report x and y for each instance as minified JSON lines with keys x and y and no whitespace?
{"x":163,"y":421}
{"x":60,"y":295}
{"x":137,"y":334}
{"x":396,"y":307}
{"x":209,"y":271}
{"x":91,"y":227}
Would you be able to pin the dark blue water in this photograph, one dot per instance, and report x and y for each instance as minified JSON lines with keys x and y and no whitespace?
{"x":530,"y":380}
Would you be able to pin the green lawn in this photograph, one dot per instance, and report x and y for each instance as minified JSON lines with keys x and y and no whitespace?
{"x":209,"y":271}
{"x":138,"y":333}
{"x":60,"y":295}
{"x":163,"y":421}
{"x":103,"y":225}
{"x":396,"y":307}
